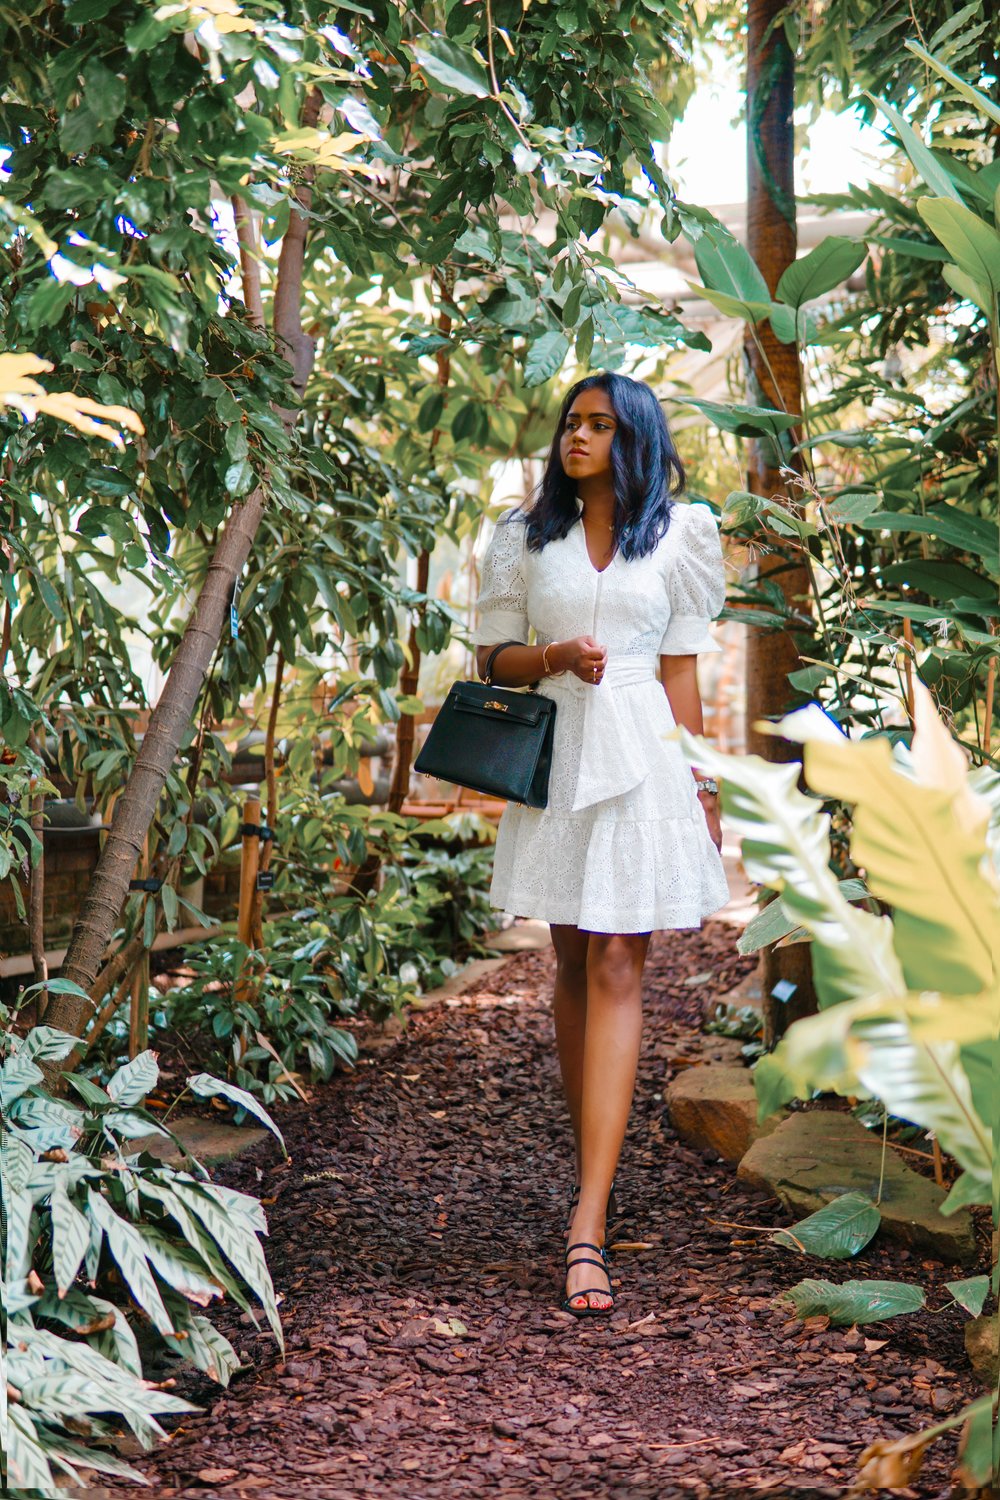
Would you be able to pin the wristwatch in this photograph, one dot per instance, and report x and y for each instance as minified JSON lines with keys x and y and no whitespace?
{"x":707,"y":784}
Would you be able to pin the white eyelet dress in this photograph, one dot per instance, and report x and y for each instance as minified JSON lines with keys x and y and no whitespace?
{"x":622,"y":845}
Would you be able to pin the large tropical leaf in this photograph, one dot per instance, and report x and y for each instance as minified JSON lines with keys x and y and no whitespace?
{"x":972,"y":243}
{"x":786,"y":845}
{"x":133,"y":1080}
{"x":920,"y":854}
{"x":125,"y":1242}
{"x":854,"y":1301}
{"x":70,"y":1237}
{"x":208,"y":1087}
{"x":917,"y":1072}
{"x":931,"y":169}
{"x":825,"y":267}
{"x":836,"y":1231}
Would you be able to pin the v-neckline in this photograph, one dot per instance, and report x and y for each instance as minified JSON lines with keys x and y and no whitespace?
{"x":583,"y":533}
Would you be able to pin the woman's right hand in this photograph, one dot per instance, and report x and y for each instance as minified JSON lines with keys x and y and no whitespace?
{"x":584,"y":658}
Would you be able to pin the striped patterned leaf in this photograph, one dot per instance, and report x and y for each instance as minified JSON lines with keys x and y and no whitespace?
{"x":27,"y":1466}
{"x":207,"y":1087}
{"x":179,"y":1268}
{"x":17,"y":1258}
{"x":16,"y":1160}
{"x":48,"y":1043}
{"x":70,"y":1456}
{"x":134,"y":1079}
{"x":249,"y":1209}
{"x":129,"y":1124}
{"x":239,"y":1246}
{"x":125,"y":1244}
{"x":57,"y":1395}
{"x":70,"y":1236}
{"x":200,"y":1241}
{"x":119,"y":1343}
{"x":17,"y":1075}
{"x":205,"y":1347}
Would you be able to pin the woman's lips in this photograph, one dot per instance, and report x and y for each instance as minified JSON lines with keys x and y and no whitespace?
{"x":578,"y":453}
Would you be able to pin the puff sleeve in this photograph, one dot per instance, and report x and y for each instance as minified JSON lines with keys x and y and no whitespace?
{"x":503,"y":596}
{"x":696,"y":584}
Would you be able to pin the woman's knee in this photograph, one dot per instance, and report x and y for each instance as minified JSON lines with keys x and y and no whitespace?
{"x":615,"y":960}
{"x":571,"y":952}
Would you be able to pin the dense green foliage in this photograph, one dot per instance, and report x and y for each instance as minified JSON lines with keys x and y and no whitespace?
{"x":105,"y":1252}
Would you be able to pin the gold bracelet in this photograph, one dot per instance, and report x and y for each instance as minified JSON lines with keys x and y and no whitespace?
{"x":545,"y":663}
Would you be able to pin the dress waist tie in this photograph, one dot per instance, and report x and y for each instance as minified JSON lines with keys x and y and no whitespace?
{"x":622,"y":731}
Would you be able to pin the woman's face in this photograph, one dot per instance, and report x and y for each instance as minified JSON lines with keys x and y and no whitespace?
{"x":585,"y":445}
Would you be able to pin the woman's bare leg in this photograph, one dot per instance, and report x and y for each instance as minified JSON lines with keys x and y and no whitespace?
{"x":613,"y":1037}
{"x":569,"y":1010}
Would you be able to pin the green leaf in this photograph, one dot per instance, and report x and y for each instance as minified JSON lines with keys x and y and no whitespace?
{"x":745,"y":421}
{"x":955,"y":526}
{"x":969,"y":240}
{"x":207,"y":1087}
{"x":850,"y":508}
{"x":733,"y":307}
{"x":169,"y":898}
{"x":837,"y":1231}
{"x":971,"y":1293}
{"x":786,"y":845}
{"x":921,"y":857}
{"x":854,"y":1301}
{"x":457,"y":69}
{"x":923,"y":159}
{"x":774,"y":922}
{"x":830,"y":263}
{"x":545,"y":358}
{"x":133,"y":1081}
{"x":70,"y":1237}
{"x":239,"y":478}
{"x":967,"y":1189}
{"x":981,"y":102}
{"x":125,"y":1243}
{"x":726,"y":265}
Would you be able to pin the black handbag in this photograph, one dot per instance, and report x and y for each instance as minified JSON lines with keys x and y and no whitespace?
{"x":494,"y":740}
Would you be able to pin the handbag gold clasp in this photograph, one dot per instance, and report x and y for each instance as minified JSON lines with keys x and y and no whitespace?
{"x":495,"y":703}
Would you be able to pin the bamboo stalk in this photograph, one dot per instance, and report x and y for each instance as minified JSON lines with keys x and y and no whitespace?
{"x":938,"y":1164}
{"x":908,"y":659}
{"x":991,"y":673}
{"x":138,"y":1021}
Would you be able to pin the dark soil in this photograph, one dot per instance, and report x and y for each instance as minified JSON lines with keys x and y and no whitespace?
{"x":430,"y":1184}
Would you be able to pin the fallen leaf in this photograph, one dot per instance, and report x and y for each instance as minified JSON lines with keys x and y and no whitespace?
{"x":217,"y":1476}
{"x":872,"y":1344}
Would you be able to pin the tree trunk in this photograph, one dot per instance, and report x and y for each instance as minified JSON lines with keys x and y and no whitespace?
{"x":408,"y":681}
{"x":170,"y":719}
{"x":774,"y":379}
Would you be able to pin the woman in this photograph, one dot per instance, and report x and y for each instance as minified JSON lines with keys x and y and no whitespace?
{"x":619,"y":583}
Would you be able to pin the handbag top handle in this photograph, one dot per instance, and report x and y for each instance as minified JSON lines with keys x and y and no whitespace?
{"x":488,"y":673}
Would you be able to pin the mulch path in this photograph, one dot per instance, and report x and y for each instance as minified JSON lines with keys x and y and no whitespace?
{"x":416,"y":1240}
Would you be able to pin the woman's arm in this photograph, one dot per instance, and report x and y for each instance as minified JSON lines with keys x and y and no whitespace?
{"x":516,"y":666}
{"x":679,"y":675}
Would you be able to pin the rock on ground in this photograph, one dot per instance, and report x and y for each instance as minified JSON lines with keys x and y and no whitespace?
{"x":816,"y":1155}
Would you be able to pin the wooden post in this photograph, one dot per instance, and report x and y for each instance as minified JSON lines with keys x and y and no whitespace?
{"x":138,"y":1022}
{"x":249,"y":865}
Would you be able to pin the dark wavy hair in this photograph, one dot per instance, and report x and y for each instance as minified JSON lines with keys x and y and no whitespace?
{"x":645,"y":467}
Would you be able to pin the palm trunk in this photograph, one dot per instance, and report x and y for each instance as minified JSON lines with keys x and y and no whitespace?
{"x":169,"y":722}
{"x":775,"y":379}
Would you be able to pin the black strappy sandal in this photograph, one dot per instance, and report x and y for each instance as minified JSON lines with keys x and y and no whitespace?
{"x":598,"y":1291}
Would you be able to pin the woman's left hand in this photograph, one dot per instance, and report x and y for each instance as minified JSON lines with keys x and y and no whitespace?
{"x":713,"y":817}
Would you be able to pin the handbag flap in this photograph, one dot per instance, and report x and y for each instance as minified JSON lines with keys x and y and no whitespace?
{"x":524,"y":708}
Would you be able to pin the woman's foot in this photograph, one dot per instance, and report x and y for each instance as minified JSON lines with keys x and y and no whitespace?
{"x":586,"y":1273}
